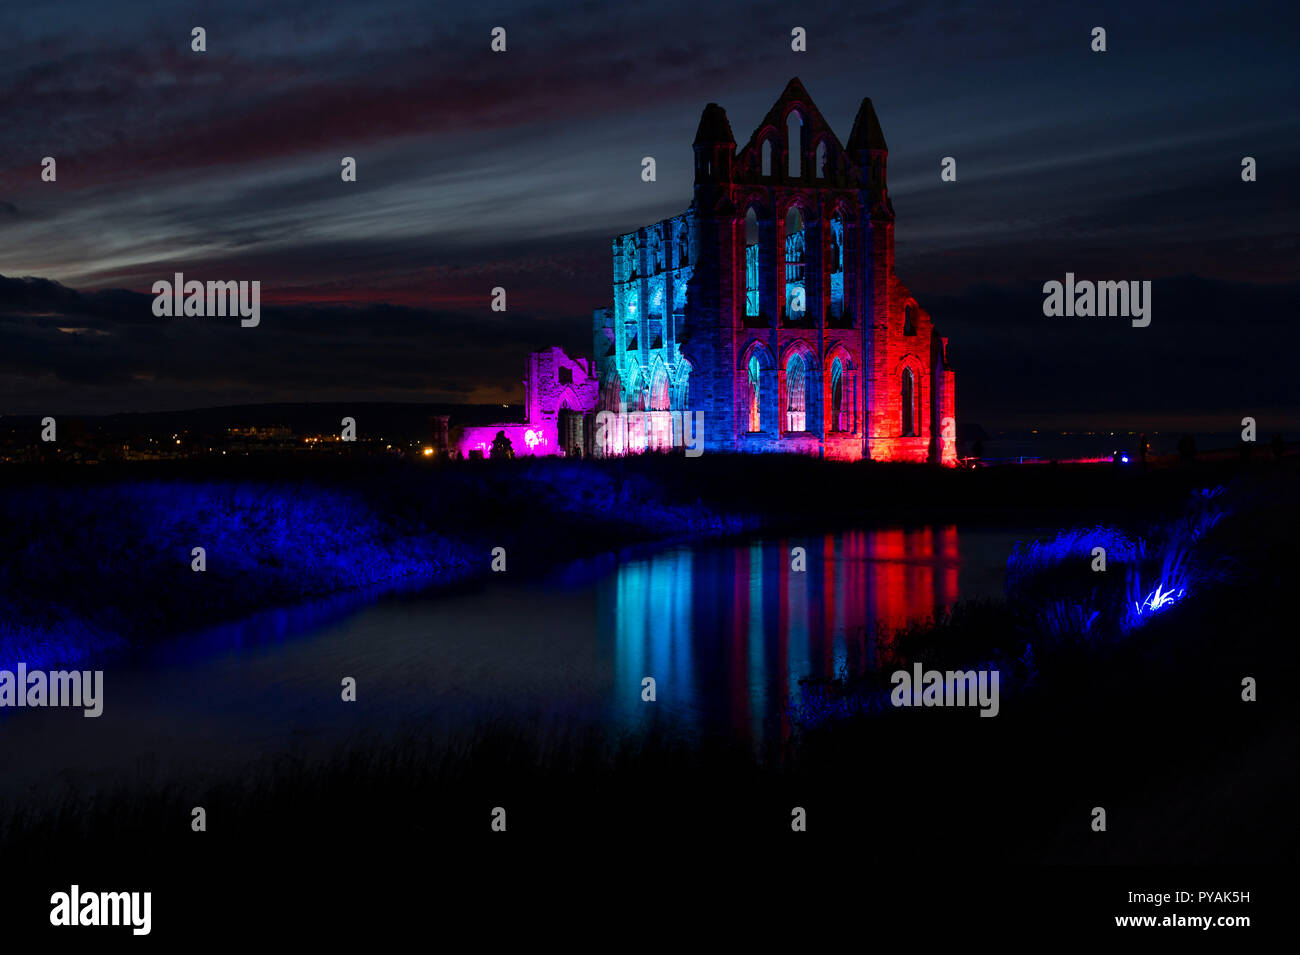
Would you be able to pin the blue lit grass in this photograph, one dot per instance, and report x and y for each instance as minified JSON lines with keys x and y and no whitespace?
{"x":88,"y":566}
{"x":1059,"y":586}
{"x":90,"y":569}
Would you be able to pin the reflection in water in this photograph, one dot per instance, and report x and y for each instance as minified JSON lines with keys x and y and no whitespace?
{"x":727,"y":633}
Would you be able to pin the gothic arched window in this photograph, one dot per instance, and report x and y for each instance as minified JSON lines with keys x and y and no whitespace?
{"x":751,"y":263}
{"x":656,"y":251}
{"x":794,"y":142}
{"x":637,"y":396}
{"x":796,"y":393}
{"x":659,"y":394}
{"x":796,"y":302}
{"x":908,"y":404}
{"x":837,"y":266}
{"x":837,"y":396}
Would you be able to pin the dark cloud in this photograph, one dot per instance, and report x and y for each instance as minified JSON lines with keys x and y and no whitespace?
{"x":478,"y":170}
{"x":63,"y":346}
{"x":1213,"y":352}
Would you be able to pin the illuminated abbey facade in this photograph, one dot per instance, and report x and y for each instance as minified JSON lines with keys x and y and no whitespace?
{"x":771,"y":305}
{"x":765,"y":318}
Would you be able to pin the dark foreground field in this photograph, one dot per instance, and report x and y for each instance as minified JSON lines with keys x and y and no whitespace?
{"x":1147,"y":722}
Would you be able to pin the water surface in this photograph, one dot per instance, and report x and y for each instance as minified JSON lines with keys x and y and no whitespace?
{"x":726,"y":631}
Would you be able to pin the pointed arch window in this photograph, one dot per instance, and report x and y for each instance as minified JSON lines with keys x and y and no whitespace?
{"x":659,"y":393}
{"x":796,"y":301}
{"x":637,"y":397}
{"x":908,"y":404}
{"x":839,"y":419}
{"x":796,"y":393}
{"x":794,"y":142}
{"x":751,"y":263}
{"x":837,"y":266}
{"x":754,"y":394}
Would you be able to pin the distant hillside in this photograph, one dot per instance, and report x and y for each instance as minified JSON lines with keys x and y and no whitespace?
{"x":398,"y":419}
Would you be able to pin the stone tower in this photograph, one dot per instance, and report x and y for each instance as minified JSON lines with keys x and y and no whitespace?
{"x":771,"y":306}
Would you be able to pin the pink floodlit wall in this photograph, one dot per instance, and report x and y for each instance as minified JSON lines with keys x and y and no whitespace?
{"x":559,"y":392}
{"x":525,"y":440}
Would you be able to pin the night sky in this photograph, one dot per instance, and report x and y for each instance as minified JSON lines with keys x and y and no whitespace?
{"x":478,"y":169}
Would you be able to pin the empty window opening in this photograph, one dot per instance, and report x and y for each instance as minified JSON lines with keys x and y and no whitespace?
{"x":796,"y":391}
{"x":908,"y":403}
{"x":796,"y":304}
{"x":838,"y":416}
{"x":751,"y":263}
{"x":794,"y":142}
{"x":837,"y":266}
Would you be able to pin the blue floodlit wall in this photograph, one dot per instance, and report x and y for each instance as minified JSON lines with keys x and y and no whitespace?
{"x":638,"y":342}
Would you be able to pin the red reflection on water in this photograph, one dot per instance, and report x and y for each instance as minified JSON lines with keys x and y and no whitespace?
{"x":912,"y":576}
{"x":755,"y":626}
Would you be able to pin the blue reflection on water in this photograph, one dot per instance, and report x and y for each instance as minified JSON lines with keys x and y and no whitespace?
{"x":727,"y":631}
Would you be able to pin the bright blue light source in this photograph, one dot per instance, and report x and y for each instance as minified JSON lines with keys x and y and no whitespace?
{"x":1158,"y":599}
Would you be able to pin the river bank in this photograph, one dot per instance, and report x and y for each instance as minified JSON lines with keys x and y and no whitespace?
{"x":97,"y":559}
